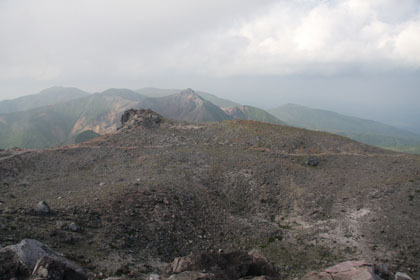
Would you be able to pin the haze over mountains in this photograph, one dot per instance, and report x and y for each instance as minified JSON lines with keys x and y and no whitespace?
{"x":56,"y":116}
{"x":365,"y":131}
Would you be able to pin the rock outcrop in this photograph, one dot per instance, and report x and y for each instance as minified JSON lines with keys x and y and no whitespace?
{"x":350,"y":270}
{"x":31,"y":257}
{"x":143,"y":117}
{"x":210,"y":265}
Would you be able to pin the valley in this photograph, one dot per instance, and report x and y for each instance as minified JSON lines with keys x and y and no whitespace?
{"x":56,"y":116}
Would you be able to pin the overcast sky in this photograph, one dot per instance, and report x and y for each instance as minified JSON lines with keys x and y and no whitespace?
{"x":355,"y":56}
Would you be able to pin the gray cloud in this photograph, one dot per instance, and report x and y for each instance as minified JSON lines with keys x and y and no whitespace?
{"x":49,"y":40}
{"x":219,"y":46}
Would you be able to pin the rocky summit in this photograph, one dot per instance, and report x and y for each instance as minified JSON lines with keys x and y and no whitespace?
{"x":160,"y":199}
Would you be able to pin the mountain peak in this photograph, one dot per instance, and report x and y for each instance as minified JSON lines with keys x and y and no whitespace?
{"x":188,"y":91}
{"x":191,"y":96}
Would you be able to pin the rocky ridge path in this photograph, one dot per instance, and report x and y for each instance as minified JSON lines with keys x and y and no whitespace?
{"x":146,"y":194}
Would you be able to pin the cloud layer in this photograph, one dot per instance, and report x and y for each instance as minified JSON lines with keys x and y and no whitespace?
{"x":319,"y":37}
{"x":93,"y":41}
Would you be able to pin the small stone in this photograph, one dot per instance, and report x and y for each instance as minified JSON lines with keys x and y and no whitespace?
{"x":42,"y":208}
{"x":153,"y":277}
{"x":313,"y":161}
{"x":402,"y":276}
{"x":74,"y":227}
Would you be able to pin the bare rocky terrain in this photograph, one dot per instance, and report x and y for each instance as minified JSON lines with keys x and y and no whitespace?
{"x":129,"y":202}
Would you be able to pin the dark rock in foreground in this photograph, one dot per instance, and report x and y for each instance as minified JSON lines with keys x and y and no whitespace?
{"x":31,"y":257}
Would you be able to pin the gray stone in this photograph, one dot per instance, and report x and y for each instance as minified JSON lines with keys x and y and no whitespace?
{"x":402,"y":276}
{"x":11,"y":267}
{"x":74,"y":227}
{"x":42,"y":208}
{"x":51,"y":268}
{"x":313,"y":161}
{"x":28,"y":252}
{"x":153,"y":277}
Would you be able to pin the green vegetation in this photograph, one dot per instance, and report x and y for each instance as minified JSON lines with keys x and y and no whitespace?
{"x":85,"y":136}
{"x":405,"y":149}
{"x":56,"y":115}
{"x":257,"y":114}
{"x":365,"y":131}
{"x":49,"y":96}
{"x":54,"y":125}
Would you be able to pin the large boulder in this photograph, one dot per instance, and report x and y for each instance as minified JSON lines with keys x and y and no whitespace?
{"x":20,"y":260}
{"x":192,"y":275}
{"x":146,"y":118}
{"x":349,"y":270}
{"x":11,"y":266}
{"x":52,"y":268}
{"x":234,"y":265}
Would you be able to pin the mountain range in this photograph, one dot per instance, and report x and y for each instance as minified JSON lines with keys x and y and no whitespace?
{"x":56,"y":116}
{"x":127,"y":203}
{"x":365,"y":131}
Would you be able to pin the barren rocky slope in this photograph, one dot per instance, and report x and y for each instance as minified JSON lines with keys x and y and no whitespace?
{"x":157,"y":189}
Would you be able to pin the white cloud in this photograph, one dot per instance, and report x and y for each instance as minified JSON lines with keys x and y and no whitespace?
{"x":407,"y":43}
{"x":326,"y":37}
{"x":110,"y":40}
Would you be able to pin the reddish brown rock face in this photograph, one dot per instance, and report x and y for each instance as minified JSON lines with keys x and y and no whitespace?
{"x":232,"y":265}
{"x":350,"y":270}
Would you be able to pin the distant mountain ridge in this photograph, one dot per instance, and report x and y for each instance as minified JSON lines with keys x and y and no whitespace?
{"x":366,"y":131}
{"x":157,"y":92}
{"x":252,"y":113}
{"x":186,"y":106}
{"x":58,"y":116}
{"x":45,"y":97}
{"x":58,"y":124}
{"x":61,"y":123}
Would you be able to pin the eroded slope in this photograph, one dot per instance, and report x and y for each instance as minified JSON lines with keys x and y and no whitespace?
{"x":148,"y":193}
